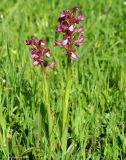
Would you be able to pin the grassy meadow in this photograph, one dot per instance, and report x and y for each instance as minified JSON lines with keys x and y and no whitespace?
{"x":97,"y":103}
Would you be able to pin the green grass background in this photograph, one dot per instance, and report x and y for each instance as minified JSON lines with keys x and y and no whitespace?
{"x":97,"y":105}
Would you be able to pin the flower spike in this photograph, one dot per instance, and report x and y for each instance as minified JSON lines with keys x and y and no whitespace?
{"x":39,"y":52}
{"x":68,"y":26}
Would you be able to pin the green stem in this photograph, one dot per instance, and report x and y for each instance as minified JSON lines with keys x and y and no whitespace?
{"x":66,"y":108}
{"x":47,"y":105}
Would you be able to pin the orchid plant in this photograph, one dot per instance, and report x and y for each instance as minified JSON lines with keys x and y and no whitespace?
{"x":68,"y":22}
{"x":39,"y":53}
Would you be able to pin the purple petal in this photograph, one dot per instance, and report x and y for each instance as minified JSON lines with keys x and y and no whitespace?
{"x":33,"y":51}
{"x":52,"y":64}
{"x":48,"y":54}
{"x":80,"y":30}
{"x":58,"y":43}
{"x":80,"y":18}
{"x":61,"y":43}
{"x":59,"y":28}
{"x":71,"y":28}
{"x":41,"y":51}
{"x":35,"y":63}
{"x":39,"y":59}
{"x":64,"y":42}
{"x":75,"y":9}
{"x":73,"y":55}
{"x":64,"y":26}
{"x":34,"y":56}
{"x":41,"y":42}
{"x":62,"y":15}
{"x":66,"y":12}
{"x":30,"y":41}
{"x":80,"y":39}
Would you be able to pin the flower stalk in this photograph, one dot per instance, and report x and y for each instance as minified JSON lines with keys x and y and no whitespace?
{"x":47,"y":105}
{"x":66,"y":108}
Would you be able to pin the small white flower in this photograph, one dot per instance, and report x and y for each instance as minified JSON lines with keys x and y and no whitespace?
{"x":1,"y":16}
{"x":4,"y":81}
